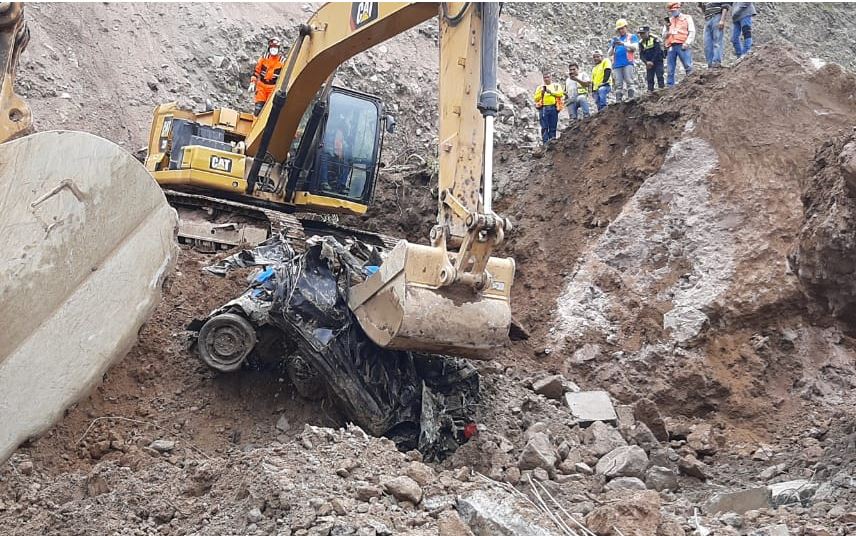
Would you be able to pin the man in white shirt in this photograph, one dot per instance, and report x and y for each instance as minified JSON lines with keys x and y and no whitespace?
{"x":577,"y":87}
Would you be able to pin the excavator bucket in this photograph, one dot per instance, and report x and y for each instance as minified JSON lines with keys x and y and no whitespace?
{"x":404,"y":306}
{"x":86,"y":238}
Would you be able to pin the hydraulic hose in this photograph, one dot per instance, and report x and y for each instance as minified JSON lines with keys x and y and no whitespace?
{"x":488,"y":103}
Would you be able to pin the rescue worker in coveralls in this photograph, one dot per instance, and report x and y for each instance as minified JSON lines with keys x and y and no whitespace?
{"x":266,"y":74}
{"x":680,"y":33}
{"x":549,"y":100}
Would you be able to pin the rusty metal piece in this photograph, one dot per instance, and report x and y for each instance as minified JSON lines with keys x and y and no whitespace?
{"x":15,"y":117}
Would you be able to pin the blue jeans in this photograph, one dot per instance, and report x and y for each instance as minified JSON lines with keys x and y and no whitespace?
{"x":601,"y":97}
{"x":549,"y":122}
{"x":581,"y":102}
{"x":742,"y":27}
{"x":677,"y":52}
{"x":340,"y":170}
{"x":713,"y":38}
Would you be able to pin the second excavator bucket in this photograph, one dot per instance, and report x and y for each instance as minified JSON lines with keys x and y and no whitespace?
{"x":87,"y":238}
{"x":404,"y":306}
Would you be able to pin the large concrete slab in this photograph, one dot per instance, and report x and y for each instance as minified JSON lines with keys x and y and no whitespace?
{"x":740,"y":502}
{"x":590,"y":406}
{"x":87,"y":238}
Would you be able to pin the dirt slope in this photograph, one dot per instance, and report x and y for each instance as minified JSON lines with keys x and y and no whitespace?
{"x":689,"y":278}
{"x":652,"y":249}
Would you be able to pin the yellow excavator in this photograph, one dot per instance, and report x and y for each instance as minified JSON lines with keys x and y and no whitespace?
{"x":316,"y":148}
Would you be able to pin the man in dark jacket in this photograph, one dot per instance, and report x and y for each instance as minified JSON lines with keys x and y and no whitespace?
{"x":651,"y":50}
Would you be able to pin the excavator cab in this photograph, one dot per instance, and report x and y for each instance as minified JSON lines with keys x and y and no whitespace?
{"x":337,"y":157}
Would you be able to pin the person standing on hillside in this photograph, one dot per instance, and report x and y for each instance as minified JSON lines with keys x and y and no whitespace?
{"x":741,"y":25}
{"x":651,"y":51}
{"x":548,"y":100}
{"x":577,"y":87}
{"x":715,"y":14}
{"x":622,"y":51}
{"x":265,"y":75}
{"x":600,"y":79}
{"x":680,"y":33}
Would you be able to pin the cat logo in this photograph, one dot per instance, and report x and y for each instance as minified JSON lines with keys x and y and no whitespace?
{"x":362,"y":13}
{"x":219,"y":163}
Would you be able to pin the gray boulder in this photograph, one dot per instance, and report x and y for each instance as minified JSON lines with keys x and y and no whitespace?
{"x":624,"y":483}
{"x":661,"y":479}
{"x":538,"y":452}
{"x":601,"y":438}
{"x":623,"y":461}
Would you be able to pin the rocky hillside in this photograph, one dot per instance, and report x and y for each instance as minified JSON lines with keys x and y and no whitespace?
{"x":684,"y":273}
{"x":103,"y":67}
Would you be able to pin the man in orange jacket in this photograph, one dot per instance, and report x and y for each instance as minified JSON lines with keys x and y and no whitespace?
{"x":266,"y":74}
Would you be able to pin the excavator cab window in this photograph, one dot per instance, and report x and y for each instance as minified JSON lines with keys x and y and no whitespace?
{"x":347,"y":156}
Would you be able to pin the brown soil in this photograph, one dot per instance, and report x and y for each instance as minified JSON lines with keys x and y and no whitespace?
{"x":162,"y":390}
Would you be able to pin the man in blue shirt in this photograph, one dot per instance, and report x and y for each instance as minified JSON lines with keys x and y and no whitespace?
{"x":623,"y":49}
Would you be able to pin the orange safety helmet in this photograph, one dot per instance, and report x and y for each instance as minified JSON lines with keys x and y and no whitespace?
{"x":673,"y":5}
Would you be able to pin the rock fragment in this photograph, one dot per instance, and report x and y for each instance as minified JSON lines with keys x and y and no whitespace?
{"x":550,"y":386}
{"x":450,"y":524}
{"x":635,"y":512}
{"x":692,"y":466}
{"x":625,"y":483}
{"x":366,"y":491}
{"x":661,"y":479}
{"x":623,"y":461}
{"x":404,"y":488}
{"x":740,"y":502}
{"x":601,"y":438}
{"x":702,"y":439}
{"x":420,"y":473}
{"x":538,"y":452}
{"x":162,"y":445}
{"x":645,"y":410}
{"x":498,"y":513}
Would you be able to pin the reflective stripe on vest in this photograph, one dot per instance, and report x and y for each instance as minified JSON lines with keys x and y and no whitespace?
{"x":547,"y":99}
{"x":628,"y":40}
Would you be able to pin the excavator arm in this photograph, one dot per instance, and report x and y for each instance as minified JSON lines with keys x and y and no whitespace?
{"x":426,"y":298}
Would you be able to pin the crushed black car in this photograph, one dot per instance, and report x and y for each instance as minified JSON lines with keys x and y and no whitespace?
{"x":295,"y":316}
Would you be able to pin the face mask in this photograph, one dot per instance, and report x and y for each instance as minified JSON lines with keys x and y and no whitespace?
{"x":675,"y":13}
{"x":274,"y":51}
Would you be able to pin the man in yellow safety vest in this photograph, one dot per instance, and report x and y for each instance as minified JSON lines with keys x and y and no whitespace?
{"x":549,"y":99}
